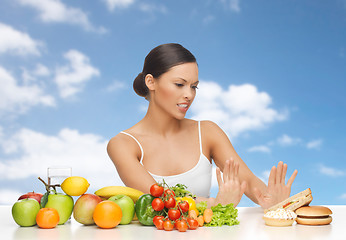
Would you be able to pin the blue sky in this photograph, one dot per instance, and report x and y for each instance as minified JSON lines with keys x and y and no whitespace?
{"x":272,"y":75}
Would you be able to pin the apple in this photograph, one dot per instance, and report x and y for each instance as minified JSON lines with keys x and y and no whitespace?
{"x":84,"y":208}
{"x":24,"y":212}
{"x":33,"y":195}
{"x":62,"y":203}
{"x":127,"y":207}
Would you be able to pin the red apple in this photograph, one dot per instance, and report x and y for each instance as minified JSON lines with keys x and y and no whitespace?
{"x":84,"y":208}
{"x":34,"y":195}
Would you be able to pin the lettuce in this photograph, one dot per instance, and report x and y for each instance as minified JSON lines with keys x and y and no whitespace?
{"x":201,"y":206}
{"x":223,"y":215}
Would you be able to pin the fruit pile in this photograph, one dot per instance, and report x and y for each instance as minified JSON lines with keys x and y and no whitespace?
{"x":107,"y":208}
{"x":165,"y":207}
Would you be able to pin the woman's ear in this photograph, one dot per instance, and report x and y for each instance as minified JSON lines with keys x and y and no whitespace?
{"x":150,"y":82}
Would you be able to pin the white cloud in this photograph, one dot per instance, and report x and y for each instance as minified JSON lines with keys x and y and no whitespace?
{"x":329,"y":171}
{"x":343,"y":196}
{"x":112,"y":4}
{"x":314,"y":144}
{"x":16,"y":42}
{"x":40,"y":70}
{"x":116,"y":85}
{"x":30,"y":153}
{"x":9,"y":196}
{"x":238,"y":109}
{"x":54,"y":11}
{"x":15,"y":98}
{"x":151,"y":8}
{"x":233,"y":5}
{"x":260,"y":148}
{"x":286,"y":140}
{"x":71,"y":78}
{"x":207,"y":19}
{"x":265,"y":176}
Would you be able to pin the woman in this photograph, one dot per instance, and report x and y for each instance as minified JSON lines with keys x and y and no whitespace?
{"x":166,"y":145}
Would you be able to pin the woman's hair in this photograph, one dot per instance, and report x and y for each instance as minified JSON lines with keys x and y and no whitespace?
{"x":159,"y":61}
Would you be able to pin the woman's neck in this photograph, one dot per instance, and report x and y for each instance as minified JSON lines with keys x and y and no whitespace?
{"x":160,"y":122}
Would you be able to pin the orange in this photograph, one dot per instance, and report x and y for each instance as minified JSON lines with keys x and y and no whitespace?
{"x":107,"y":214}
{"x":47,"y":218}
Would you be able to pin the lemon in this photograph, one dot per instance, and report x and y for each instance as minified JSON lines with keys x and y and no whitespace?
{"x":75,"y":186}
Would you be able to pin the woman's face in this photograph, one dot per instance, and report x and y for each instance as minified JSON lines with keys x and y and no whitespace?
{"x":175,"y":90}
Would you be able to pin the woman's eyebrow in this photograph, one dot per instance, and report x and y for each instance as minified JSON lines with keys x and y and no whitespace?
{"x":186,"y":80}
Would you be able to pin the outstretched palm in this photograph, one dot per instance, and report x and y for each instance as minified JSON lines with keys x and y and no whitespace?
{"x":277,"y":190}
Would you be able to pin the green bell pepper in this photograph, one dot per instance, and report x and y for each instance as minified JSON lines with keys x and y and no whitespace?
{"x":144,"y":211}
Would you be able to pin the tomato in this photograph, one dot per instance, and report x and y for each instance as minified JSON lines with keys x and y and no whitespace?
{"x":193,"y":223}
{"x":156,"y":190}
{"x":184,"y":206}
{"x":158,"y":221}
{"x":157,"y":204}
{"x":168,"y":225}
{"x":173,"y":214}
{"x":170,"y":203}
{"x":191,"y":202}
{"x":181,"y":225}
{"x":169,"y":192}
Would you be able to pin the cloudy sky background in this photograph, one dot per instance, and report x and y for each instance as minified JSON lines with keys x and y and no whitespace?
{"x":272,"y":75}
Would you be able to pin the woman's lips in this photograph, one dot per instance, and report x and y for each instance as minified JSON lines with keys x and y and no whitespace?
{"x":183,"y":107}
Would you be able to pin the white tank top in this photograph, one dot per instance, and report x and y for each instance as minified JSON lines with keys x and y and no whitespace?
{"x":197,"y":179}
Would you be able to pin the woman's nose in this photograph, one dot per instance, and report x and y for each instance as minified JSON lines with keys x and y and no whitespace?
{"x":188,"y":93}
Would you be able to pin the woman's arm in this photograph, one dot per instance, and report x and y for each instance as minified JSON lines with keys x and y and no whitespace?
{"x":220,"y":149}
{"x":125,"y":154}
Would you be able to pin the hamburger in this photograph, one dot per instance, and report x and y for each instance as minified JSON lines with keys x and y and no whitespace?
{"x":294,"y":202}
{"x":313,"y":215}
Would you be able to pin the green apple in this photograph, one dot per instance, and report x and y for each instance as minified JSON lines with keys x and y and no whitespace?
{"x":127,"y":207}
{"x":24,"y":212}
{"x":62,"y":203}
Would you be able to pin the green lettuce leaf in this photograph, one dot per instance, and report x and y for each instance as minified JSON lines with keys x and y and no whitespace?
{"x":223,"y":215}
{"x":201,"y":206}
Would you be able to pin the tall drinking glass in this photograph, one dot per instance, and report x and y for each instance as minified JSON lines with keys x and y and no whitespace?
{"x":56,"y":175}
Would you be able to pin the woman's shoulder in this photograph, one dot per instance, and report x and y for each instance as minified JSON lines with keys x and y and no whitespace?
{"x":208,"y":125}
{"x":121,"y":141}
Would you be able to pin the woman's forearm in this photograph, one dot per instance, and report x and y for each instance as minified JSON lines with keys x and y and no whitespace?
{"x":253,"y":183}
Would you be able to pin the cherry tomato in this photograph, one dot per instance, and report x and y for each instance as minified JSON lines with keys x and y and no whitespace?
{"x":156,"y":190}
{"x":184,"y":206}
{"x":169,"y":192}
{"x":157,"y":204}
{"x":191,"y":202}
{"x":170,"y":203}
{"x":193,"y":223}
{"x":181,"y":225}
{"x":168,"y":225}
{"x":158,"y":221}
{"x":173,"y":214}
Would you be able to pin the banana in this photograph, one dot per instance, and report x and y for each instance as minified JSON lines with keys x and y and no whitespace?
{"x":107,"y":192}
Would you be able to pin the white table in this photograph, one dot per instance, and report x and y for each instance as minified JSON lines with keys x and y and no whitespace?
{"x":251,"y":227}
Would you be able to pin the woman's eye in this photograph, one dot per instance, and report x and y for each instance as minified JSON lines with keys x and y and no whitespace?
{"x":194,"y":87}
{"x":179,"y":84}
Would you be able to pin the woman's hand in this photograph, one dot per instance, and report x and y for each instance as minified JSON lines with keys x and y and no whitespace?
{"x":230,"y":188}
{"x":277,"y":190}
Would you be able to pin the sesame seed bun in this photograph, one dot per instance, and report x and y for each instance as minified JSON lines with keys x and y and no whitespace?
{"x":313,"y":215}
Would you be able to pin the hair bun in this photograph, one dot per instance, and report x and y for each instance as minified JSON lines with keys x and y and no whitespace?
{"x":139,"y":85}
